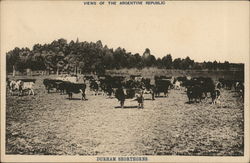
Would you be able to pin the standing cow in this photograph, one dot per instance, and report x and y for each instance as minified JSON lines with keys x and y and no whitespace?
{"x":71,"y":88}
{"x":194,"y":93}
{"x":120,"y":95}
{"x":215,"y":95}
{"x":22,"y":86}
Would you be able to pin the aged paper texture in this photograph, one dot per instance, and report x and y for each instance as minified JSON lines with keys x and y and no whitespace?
{"x":124,"y":81}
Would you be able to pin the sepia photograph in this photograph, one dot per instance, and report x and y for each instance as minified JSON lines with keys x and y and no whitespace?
{"x":124,"y":81}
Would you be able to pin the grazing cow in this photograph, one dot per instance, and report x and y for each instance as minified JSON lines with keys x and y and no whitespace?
{"x":120,"y":95}
{"x":194,"y":93}
{"x":215,"y":95}
{"x":71,"y":88}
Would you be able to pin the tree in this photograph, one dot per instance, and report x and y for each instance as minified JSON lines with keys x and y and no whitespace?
{"x":167,"y":61}
{"x":186,"y":63}
{"x":177,"y":63}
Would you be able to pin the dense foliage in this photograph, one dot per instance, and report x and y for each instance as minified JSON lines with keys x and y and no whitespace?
{"x":83,"y":57}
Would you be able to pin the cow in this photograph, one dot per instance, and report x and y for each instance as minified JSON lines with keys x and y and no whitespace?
{"x":27,"y":86}
{"x":161,"y":85}
{"x":199,"y":87}
{"x":13,"y":86}
{"x":218,"y":85}
{"x":120,"y":95}
{"x":60,"y":86}
{"x":106,"y":85}
{"x":71,"y":88}
{"x":51,"y":83}
{"x":22,"y":86}
{"x":194,"y":93}
{"x":140,"y":99}
{"x":215,"y":95}
{"x":226,"y":83}
{"x":148,"y":87}
{"x":94,"y":86}
{"x":206,"y":84}
{"x":177,"y":85}
{"x":240,"y":89}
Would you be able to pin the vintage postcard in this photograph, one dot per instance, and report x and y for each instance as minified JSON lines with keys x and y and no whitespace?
{"x":124,"y":81}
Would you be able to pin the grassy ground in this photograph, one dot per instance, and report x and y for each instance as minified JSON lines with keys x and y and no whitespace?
{"x":50,"y":124}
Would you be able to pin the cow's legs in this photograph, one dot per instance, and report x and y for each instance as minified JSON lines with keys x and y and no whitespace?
{"x":153,"y":96}
{"x":70,"y":96}
{"x":142,"y":105}
{"x":122,"y":103}
{"x":33,"y":93}
{"x":83,"y":96}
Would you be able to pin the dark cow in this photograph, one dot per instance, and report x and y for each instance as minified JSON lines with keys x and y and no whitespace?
{"x":148,"y":87}
{"x":94,"y":86}
{"x":226,"y":83}
{"x":61,"y":86}
{"x":199,"y":87}
{"x":194,"y":93}
{"x":162,"y":84}
{"x":71,"y":88}
{"x":51,"y":84}
{"x":120,"y":95}
{"x":106,"y":87}
{"x":206,"y":84}
{"x":240,"y":89}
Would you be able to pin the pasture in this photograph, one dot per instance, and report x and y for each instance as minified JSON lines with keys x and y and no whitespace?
{"x":50,"y":124}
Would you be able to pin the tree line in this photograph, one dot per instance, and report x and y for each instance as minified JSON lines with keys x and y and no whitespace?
{"x":85,"y":57}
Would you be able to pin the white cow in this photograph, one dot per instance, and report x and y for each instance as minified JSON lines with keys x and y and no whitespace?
{"x":21,"y":86}
{"x":177,"y":85}
{"x":28,"y":86}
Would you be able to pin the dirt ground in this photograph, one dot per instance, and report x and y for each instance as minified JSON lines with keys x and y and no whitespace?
{"x":50,"y":124}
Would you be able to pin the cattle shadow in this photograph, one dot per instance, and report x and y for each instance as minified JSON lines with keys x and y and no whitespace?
{"x":192,"y":102}
{"x":148,"y":99}
{"x":53,"y":92}
{"x":161,"y":96}
{"x":22,"y":95}
{"x":236,"y":96}
{"x":126,"y":107}
{"x":110,"y":97}
{"x":76,"y":99}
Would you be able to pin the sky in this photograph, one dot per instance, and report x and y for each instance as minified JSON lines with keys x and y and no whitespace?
{"x":217,"y":30}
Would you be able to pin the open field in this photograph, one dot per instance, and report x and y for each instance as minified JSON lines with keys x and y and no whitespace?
{"x":50,"y":124}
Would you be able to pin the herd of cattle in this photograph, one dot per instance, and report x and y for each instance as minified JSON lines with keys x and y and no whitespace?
{"x":197,"y":88}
